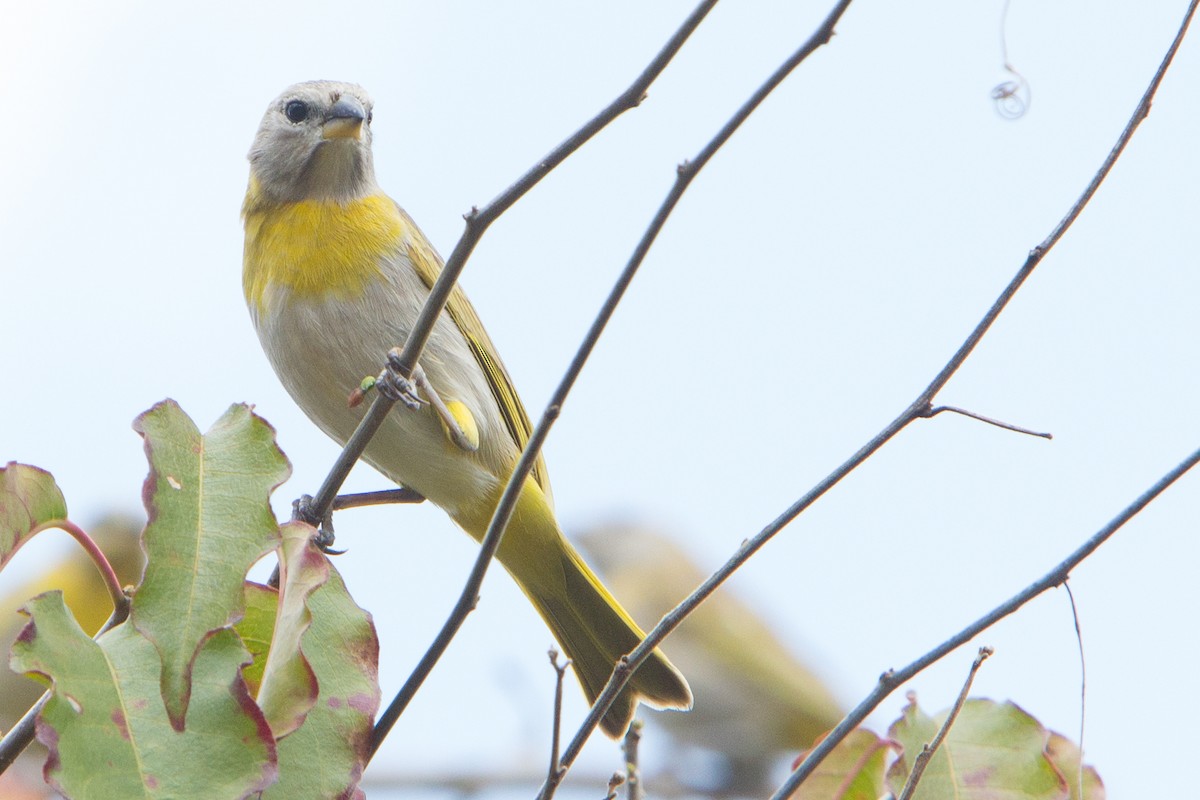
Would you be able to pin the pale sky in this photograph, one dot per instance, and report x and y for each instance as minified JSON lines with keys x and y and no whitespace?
{"x":813,"y":280}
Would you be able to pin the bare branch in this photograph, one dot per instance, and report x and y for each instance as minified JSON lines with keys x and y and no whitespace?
{"x":1038,"y":253}
{"x":633,"y":782}
{"x":922,"y":759}
{"x":684,"y":176}
{"x":477,"y":222}
{"x":1008,"y":426}
{"x":559,"y":672}
{"x":614,"y":783}
{"x":382,"y":497}
{"x":892,"y":679}
{"x":919,"y":408}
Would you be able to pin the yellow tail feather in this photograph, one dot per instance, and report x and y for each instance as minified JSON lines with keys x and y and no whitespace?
{"x":590,"y":626}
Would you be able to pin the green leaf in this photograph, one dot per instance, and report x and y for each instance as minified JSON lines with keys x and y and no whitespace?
{"x":993,"y":750}
{"x":1065,"y":756}
{"x":28,"y":498}
{"x":289,"y":686}
{"x":207,"y":497}
{"x":256,"y":627}
{"x":853,"y":771}
{"x":343,"y":651}
{"x":106,"y":727}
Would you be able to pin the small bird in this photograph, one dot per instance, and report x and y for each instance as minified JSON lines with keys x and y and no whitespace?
{"x":755,"y":699}
{"x":335,"y":273}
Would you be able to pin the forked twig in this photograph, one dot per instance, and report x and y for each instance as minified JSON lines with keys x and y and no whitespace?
{"x":890,"y":680}
{"x":919,"y":408}
{"x":893,"y":679}
{"x":477,"y":223}
{"x":923,"y":758}
{"x":684,"y":176}
{"x":560,"y":671}
{"x":1008,"y":426}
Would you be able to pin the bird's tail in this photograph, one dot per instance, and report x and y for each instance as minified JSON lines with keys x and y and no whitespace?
{"x":590,"y":625}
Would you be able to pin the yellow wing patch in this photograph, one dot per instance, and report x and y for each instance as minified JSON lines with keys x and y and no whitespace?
{"x":428,"y":265}
{"x":466,"y":423}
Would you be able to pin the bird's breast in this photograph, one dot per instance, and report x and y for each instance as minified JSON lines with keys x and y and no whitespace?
{"x":315,"y":248}
{"x":331,"y":290}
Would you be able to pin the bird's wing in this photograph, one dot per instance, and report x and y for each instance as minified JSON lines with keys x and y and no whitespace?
{"x":428,"y":265}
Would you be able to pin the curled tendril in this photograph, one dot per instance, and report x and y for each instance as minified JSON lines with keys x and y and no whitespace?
{"x":1012,"y":97}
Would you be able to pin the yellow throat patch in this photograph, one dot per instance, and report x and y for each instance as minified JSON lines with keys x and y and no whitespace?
{"x":315,"y":247}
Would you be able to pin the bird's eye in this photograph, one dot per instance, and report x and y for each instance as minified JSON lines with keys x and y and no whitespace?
{"x":296,"y":110}
{"x":370,"y":115}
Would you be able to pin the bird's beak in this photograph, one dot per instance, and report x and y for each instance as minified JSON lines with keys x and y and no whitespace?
{"x":345,"y":120}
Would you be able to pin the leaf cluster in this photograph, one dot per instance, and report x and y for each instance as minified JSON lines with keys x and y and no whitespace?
{"x":213,"y":686}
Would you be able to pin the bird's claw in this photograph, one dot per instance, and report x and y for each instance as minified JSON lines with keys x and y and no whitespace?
{"x":392,"y":384}
{"x":303,"y":511}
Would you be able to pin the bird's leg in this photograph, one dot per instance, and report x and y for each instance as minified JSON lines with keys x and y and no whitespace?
{"x":457,"y":420}
{"x":302,"y":510}
{"x":401,"y":494}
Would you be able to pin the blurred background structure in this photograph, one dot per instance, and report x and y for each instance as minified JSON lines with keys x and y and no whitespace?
{"x":755,"y":700}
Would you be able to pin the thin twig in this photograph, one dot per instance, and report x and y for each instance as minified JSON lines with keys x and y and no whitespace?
{"x":21,"y":734}
{"x":1008,"y":426}
{"x":614,"y":783}
{"x":1038,"y":253}
{"x":559,"y":672}
{"x":889,"y":681}
{"x":633,"y":782}
{"x":926,"y":754}
{"x":684,"y":176}
{"x":478,"y":221}
{"x":892,"y":679}
{"x":918,"y":409}
{"x":476,"y":224}
{"x":382,"y":497}
{"x":1082,"y":684}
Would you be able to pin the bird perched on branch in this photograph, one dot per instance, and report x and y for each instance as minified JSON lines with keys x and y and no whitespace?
{"x":335,"y":274}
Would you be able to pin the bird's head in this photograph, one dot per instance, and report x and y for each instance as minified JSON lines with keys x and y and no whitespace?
{"x":314,"y":143}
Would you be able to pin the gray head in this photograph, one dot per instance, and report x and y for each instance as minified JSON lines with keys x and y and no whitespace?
{"x":314,"y":143}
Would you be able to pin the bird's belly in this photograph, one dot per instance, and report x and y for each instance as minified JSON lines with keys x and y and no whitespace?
{"x":323,"y":348}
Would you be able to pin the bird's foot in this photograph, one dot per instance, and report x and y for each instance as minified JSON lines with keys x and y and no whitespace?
{"x":457,"y":420}
{"x":303,"y":511}
{"x":392,"y":384}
